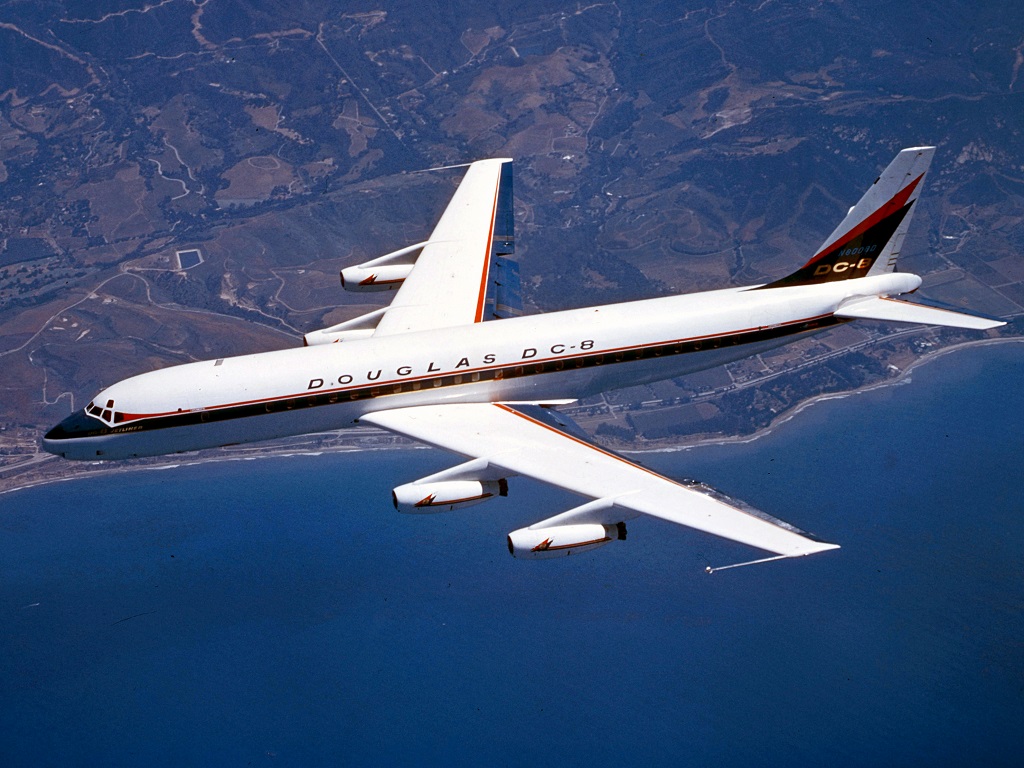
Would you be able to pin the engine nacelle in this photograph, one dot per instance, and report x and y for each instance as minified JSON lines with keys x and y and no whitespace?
{"x":386,"y":277}
{"x":326,"y":336}
{"x":386,"y":273}
{"x":559,"y":540}
{"x":361,"y":327}
{"x":446,"y":495}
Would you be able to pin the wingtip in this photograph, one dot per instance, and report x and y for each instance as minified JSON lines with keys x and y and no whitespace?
{"x":821,"y":547}
{"x":812,"y":547}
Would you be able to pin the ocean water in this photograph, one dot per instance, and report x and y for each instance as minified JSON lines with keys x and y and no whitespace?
{"x":280,"y":612}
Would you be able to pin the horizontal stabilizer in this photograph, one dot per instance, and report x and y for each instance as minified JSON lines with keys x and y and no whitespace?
{"x":897,"y":311}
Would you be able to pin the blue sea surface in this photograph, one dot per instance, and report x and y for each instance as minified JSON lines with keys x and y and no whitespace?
{"x":280,"y":612}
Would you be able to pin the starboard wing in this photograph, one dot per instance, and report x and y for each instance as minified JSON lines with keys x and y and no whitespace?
{"x":452,"y":281}
{"x":520,"y":443}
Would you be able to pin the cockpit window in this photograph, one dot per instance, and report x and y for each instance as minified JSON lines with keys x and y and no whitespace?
{"x":108,"y":414}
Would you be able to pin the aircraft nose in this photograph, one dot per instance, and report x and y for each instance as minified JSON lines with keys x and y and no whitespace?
{"x":78,"y":424}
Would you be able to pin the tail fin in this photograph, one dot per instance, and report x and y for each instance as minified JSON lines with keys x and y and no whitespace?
{"x":868,"y":240}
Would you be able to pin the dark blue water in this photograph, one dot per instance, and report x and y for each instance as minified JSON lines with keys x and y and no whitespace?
{"x":280,"y":612}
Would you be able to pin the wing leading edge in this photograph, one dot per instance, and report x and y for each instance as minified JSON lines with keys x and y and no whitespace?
{"x":508,"y":440}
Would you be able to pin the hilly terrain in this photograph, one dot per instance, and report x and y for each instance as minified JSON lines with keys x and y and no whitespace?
{"x":184,"y":180}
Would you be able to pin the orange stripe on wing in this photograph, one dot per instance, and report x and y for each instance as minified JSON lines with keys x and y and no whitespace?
{"x":482,"y":296}
{"x":609,"y":454}
{"x":584,"y":443}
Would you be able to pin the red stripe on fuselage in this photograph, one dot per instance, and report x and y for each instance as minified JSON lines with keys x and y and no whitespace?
{"x":466,"y":371}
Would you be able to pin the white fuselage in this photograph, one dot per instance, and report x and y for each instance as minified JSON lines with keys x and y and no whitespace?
{"x":540,"y":358}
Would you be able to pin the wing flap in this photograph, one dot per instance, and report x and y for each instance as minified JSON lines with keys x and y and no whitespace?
{"x":524,"y":445}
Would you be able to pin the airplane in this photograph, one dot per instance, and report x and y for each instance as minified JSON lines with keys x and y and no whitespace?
{"x":453,"y":363}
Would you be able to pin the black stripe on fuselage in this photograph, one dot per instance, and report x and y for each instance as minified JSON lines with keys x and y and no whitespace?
{"x":473,"y":376}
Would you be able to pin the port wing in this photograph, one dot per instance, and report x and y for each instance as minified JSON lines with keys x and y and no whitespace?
{"x":525,"y":441}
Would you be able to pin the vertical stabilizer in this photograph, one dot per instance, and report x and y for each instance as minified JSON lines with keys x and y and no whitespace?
{"x":868,"y":240}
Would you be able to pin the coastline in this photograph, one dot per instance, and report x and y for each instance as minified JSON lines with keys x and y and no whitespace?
{"x":903,"y":378}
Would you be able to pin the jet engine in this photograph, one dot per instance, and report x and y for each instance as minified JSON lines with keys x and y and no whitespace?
{"x":558,"y":540}
{"x":446,"y":495}
{"x":388,"y":277}
{"x":386,"y":273}
{"x":329,"y":336}
{"x":361,"y":327}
